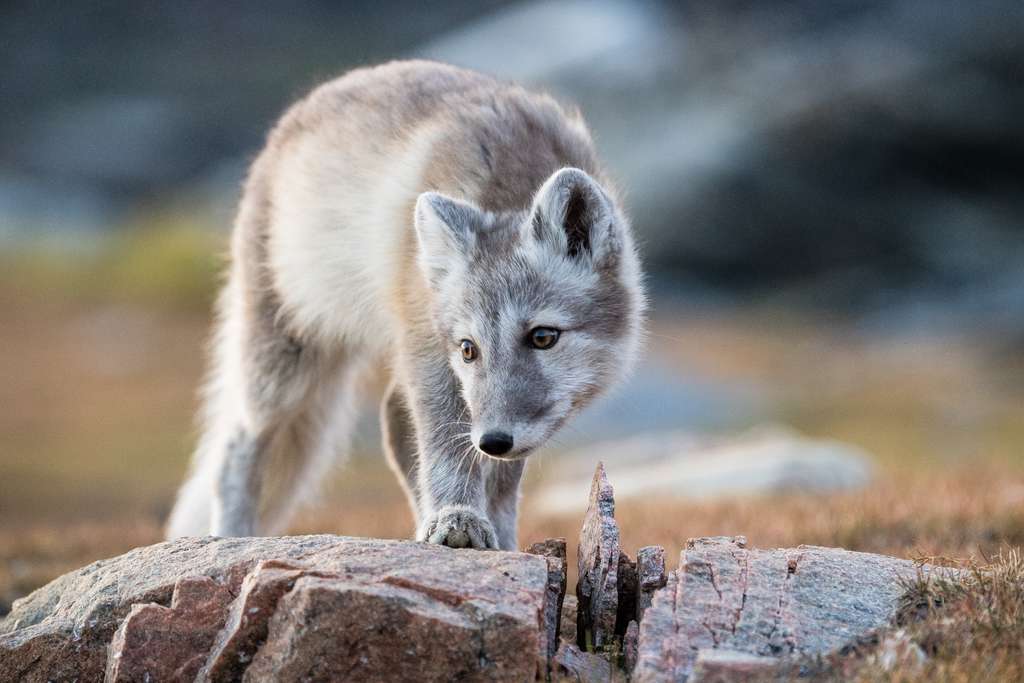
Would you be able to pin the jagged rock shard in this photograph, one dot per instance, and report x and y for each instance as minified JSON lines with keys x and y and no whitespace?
{"x":789,"y":603}
{"x":567,"y":631}
{"x":553,"y":550}
{"x":597,"y":561}
{"x":630,"y":643}
{"x":650,"y":570}
{"x":628,"y":584}
{"x":304,"y":607}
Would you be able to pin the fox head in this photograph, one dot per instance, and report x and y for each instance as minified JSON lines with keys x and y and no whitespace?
{"x":539,"y":310}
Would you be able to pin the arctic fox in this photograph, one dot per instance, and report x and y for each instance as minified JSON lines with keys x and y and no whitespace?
{"x":452,"y":230}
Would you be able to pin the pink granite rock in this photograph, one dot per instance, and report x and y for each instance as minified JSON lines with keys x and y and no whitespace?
{"x":630,"y":646}
{"x":570,"y":608}
{"x":650,"y":568}
{"x":332,"y":629}
{"x":245,"y":627}
{"x":731,"y":666}
{"x":779,"y":605}
{"x":157,"y":643}
{"x":553,"y":549}
{"x":626,"y":578}
{"x":573,"y":664}
{"x":313,"y":606}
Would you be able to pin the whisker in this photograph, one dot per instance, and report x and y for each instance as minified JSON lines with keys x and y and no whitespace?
{"x":444,"y":425}
{"x":466,"y":475}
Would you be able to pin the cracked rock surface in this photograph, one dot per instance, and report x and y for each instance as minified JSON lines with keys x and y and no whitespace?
{"x":763,"y":609}
{"x":298,"y":608}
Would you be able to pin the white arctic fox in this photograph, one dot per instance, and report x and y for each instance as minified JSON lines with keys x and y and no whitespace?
{"x":453,"y":231}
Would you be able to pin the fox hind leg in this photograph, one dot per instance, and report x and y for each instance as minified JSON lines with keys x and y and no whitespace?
{"x":260,"y":406}
{"x":318,"y":435}
{"x":398,"y":437}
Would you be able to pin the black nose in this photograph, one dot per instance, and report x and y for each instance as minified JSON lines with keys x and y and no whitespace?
{"x":496,"y":443}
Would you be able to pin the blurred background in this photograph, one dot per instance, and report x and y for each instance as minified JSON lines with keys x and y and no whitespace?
{"x":830,"y":199}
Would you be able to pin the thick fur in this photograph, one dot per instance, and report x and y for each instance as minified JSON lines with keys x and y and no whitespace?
{"x":393,"y":213}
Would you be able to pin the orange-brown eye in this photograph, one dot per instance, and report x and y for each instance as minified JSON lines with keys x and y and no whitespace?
{"x":543,"y":337}
{"x":469,"y":352}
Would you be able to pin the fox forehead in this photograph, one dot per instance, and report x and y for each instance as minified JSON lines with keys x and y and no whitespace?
{"x":511,"y":294}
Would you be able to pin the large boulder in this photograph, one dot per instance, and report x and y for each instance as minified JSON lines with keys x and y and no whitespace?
{"x":298,"y":608}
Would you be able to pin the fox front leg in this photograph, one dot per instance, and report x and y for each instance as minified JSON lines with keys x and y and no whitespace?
{"x":502,"y":477}
{"x":451,"y":477}
{"x":453,"y":501}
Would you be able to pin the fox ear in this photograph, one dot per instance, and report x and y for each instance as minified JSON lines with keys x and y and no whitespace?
{"x":575,"y":215}
{"x":444,"y":230}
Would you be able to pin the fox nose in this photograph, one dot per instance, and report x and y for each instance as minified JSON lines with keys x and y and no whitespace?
{"x":496,"y":443}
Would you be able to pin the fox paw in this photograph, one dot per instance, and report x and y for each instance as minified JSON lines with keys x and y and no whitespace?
{"x":458,"y":526}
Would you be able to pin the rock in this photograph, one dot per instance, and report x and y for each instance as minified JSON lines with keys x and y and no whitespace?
{"x":553,"y":549}
{"x":650,"y":568}
{"x":597,"y":562}
{"x":732,"y":666}
{"x":682,"y":465}
{"x":572,"y":664}
{"x":630,"y":645}
{"x":570,"y":608}
{"x":672,"y":396}
{"x":334,"y":629}
{"x":169,"y":643}
{"x":783,"y":605}
{"x":245,"y":628}
{"x":627,"y":588}
{"x":316,"y":607}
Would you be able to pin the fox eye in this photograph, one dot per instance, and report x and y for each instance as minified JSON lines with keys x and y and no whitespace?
{"x":543,"y":337}
{"x":469,"y":352}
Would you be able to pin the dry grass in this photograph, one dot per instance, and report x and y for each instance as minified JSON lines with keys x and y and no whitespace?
{"x":965,"y":627}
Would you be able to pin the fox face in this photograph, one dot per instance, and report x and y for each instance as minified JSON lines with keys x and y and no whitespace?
{"x":539,"y":310}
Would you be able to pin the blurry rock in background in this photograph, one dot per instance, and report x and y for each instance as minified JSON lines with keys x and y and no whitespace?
{"x":661,"y":396}
{"x":688,"y":466}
